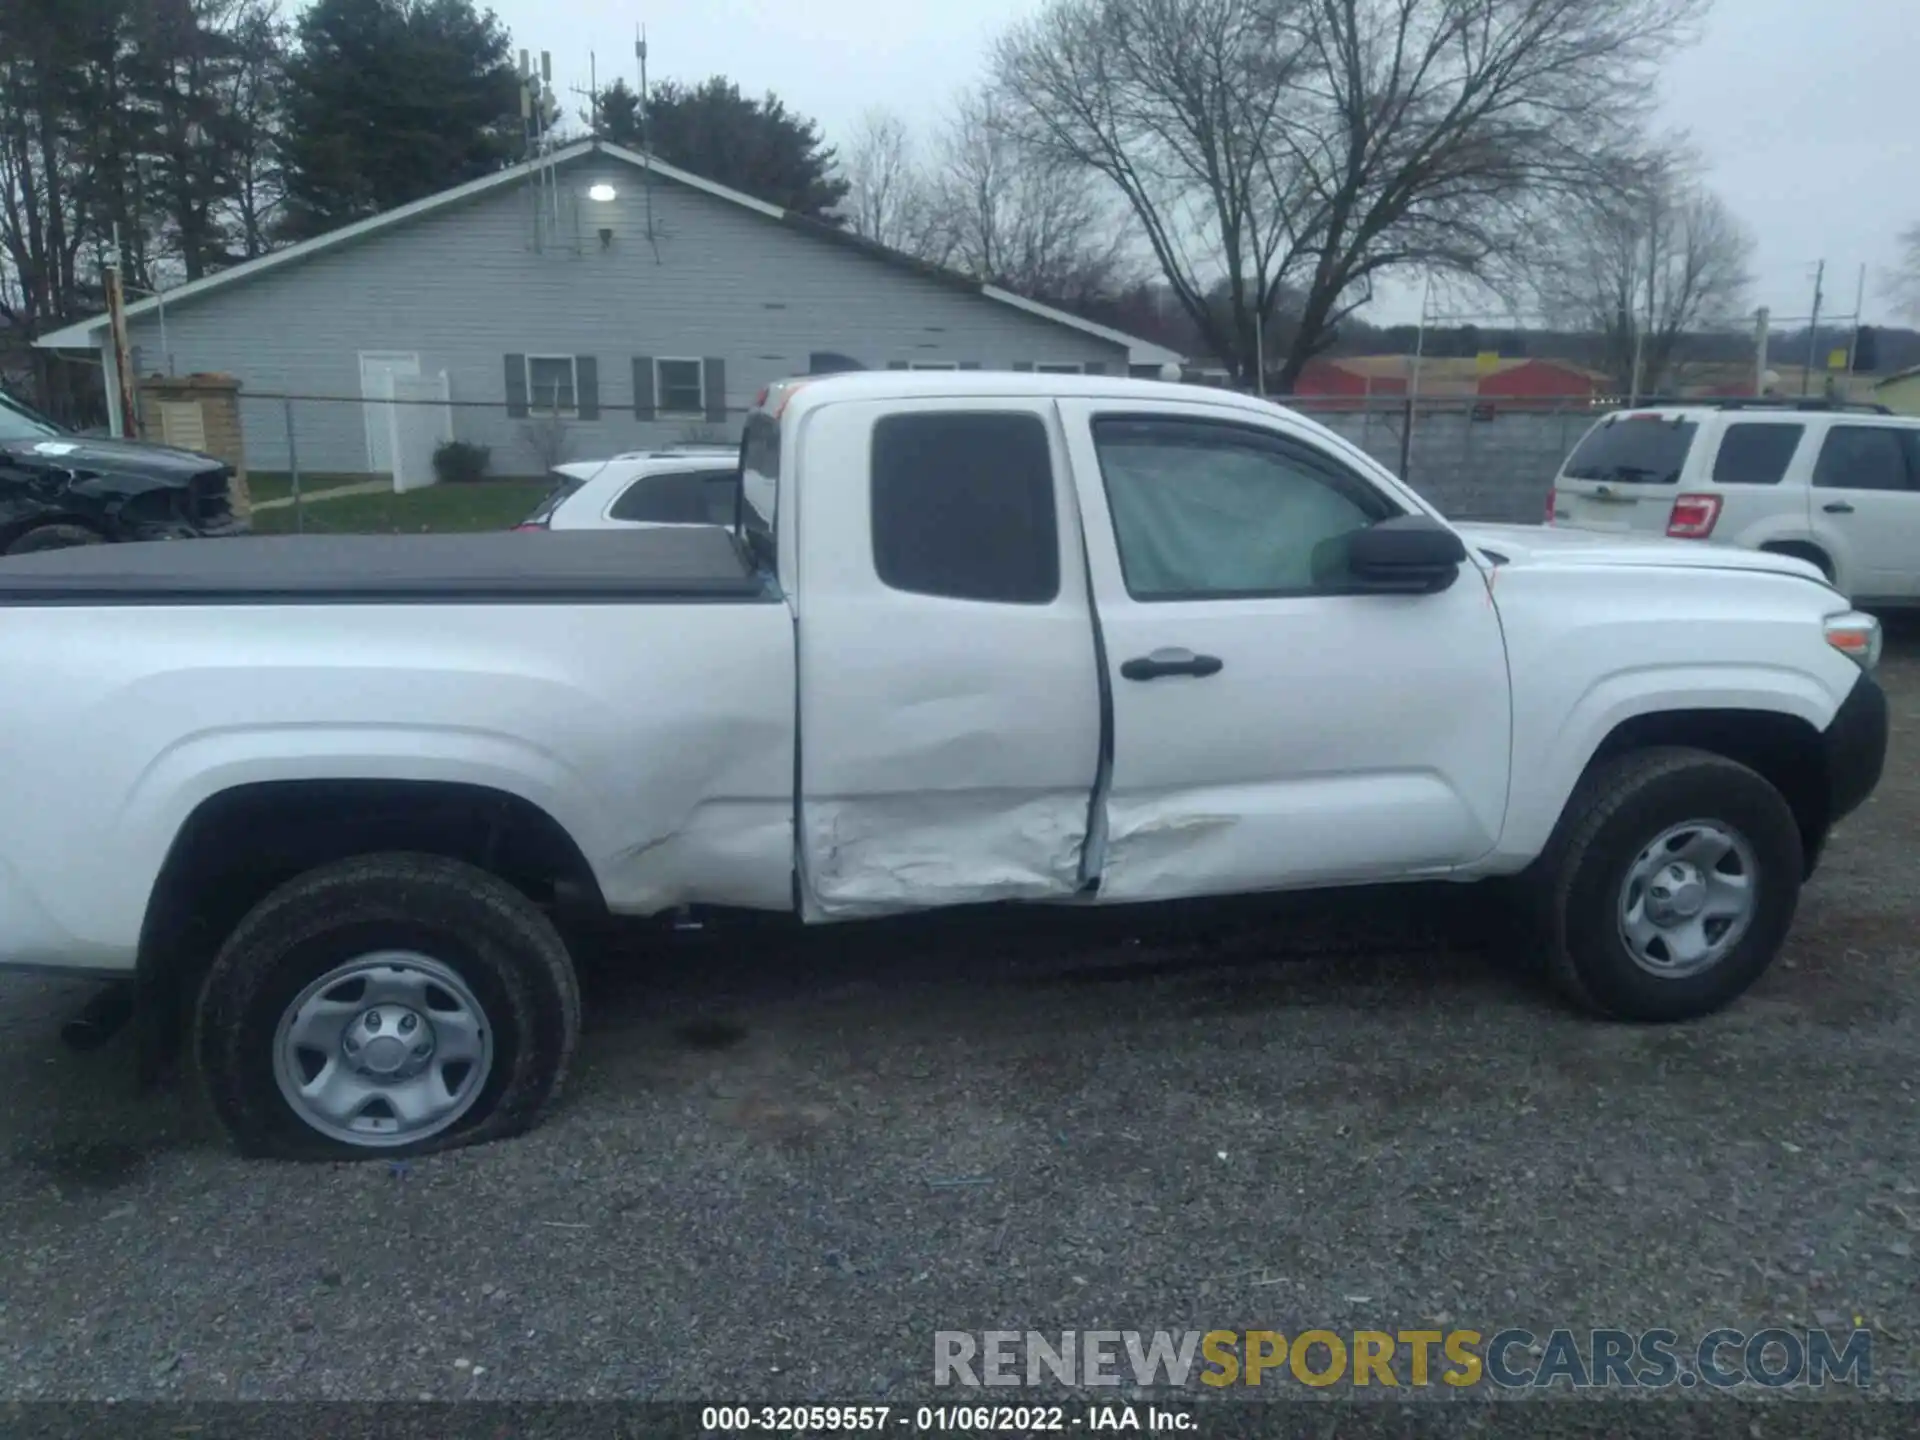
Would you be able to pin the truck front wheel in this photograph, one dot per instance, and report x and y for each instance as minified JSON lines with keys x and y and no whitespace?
{"x":386,"y":1005}
{"x":1669,"y":886}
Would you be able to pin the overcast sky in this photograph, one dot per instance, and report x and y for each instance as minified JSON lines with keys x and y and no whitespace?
{"x":1807,"y":111}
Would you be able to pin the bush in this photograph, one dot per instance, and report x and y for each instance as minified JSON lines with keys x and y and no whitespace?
{"x":461,"y":461}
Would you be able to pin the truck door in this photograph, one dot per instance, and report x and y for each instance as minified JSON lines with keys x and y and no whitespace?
{"x":1270,"y":730}
{"x":949,"y":700}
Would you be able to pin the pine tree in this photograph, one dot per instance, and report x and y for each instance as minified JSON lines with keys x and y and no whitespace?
{"x":389,"y":101}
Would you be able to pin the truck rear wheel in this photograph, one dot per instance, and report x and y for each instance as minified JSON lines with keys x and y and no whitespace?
{"x":386,"y":1005}
{"x":1669,"y":886}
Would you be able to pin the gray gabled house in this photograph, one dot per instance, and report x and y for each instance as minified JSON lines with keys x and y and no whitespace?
{"x":596,"y":295}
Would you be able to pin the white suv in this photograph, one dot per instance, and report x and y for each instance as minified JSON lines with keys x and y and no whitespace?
{"x":693,"y":485}
{"x":1828,"y":482}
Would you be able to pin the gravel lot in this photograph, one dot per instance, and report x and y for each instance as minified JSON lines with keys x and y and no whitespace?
{"x":782,"y":1166}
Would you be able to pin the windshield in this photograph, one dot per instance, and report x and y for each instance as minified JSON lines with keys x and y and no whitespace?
{"x":17,"y":422}
{"x":1639,"y":451}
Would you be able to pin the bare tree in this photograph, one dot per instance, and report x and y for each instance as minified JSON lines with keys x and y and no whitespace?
{"x":1012,"y":215}
{"x":1177,"y":103}
{"x":1321,"y":144}
{"x":886,"y":190}
{"x":1643,"y":264}
{"x":547,"y":439}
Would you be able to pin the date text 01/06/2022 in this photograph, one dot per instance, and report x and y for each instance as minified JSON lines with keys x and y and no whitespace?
{"x":960,"y":1419}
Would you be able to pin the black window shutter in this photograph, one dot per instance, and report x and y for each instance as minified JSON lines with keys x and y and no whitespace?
{"x":516,"y":386}
{"x":1094,"y":367}
{"x":716,"y":388}
{"x":643,"y":406}
{"x":969,"y":364}
{"x":586,"y":380}
{"x":1025,"y":367}
{"x":896,"y":364}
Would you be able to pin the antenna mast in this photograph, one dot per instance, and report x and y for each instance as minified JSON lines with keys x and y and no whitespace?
{"x":539,"y":111}
{"x":646,"y":139}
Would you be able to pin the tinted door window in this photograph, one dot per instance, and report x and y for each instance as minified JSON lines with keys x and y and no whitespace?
{"x":1756,"y":454}
{"x":1865,"y":457}
{"x":679,"y":497}
{"x":1205,"y":510}
{"x":963,"y":506}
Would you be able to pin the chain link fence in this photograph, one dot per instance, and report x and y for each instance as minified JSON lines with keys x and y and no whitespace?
{"x":424,"y":462}
{"x":415,"y":459}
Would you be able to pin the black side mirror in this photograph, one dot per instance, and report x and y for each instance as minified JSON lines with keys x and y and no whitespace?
{"x":1407,"y":555}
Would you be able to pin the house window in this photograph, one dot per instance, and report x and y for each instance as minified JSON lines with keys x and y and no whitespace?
{"x":1050,"y":368}
{"x":552,"y":387}
{"x":681,"y":386}
{"x":933,"y":365}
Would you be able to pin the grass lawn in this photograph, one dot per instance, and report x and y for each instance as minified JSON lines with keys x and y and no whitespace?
{"x":439,"y":509}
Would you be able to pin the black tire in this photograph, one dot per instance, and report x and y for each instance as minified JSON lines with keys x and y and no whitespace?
{"x":1619,"y":808}
{"x":501,"y":946}
{"x":54,"y":537}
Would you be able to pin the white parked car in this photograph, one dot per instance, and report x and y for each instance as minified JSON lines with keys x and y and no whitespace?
{"x":676,"y":484}
{"x":1837,"y":485}
{"x":691,"y":485}
{"x":980,"y":637}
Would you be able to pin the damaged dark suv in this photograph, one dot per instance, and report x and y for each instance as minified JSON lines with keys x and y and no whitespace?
{"x":58,"y":488}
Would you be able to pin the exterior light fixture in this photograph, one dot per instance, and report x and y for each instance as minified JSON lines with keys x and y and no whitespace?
{"x":602,"y":193}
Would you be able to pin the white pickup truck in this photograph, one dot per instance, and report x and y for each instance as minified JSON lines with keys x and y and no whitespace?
{"x":973,"y":638}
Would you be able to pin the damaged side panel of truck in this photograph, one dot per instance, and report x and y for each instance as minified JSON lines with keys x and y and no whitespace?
{"x":950,"y":710}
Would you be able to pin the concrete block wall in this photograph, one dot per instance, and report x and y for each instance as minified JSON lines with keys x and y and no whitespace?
{"x":1493,"y":469}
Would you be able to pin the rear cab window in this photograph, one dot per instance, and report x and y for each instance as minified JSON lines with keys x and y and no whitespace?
{"x":1633,"y":449}
{"x":963,"y":506}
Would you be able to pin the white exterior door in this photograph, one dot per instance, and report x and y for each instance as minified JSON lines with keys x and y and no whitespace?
{"x":378,"y":368}
{"x":1271,"y":730}
{"x":418,"y":427}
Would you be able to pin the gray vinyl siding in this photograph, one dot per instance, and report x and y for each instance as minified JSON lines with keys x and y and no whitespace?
{"x":752,"y":298}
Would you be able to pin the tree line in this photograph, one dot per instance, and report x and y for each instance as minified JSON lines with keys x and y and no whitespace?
{"x":1235,"y":177}
{"x":179,"y":137}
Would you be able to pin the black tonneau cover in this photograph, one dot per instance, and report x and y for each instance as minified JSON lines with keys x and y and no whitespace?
{"x":676,"y":563}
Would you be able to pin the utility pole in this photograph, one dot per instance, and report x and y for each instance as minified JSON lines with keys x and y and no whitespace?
{"x":1259,"y":349}
{"x":1813,"y":329}
{"x":1859,"y":308}
{"x":1413,"y":379}
{"x":1762,"y":330}
{"x":122,"y":351}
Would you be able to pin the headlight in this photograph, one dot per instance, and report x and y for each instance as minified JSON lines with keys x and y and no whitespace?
{"x":1856,"y":636}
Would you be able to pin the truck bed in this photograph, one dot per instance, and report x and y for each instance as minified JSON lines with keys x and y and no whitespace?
{"x":680,"y":564}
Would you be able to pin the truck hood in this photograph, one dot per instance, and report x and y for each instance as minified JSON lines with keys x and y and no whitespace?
{"x":83,"y":455}
{"x":1550,"y":544}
